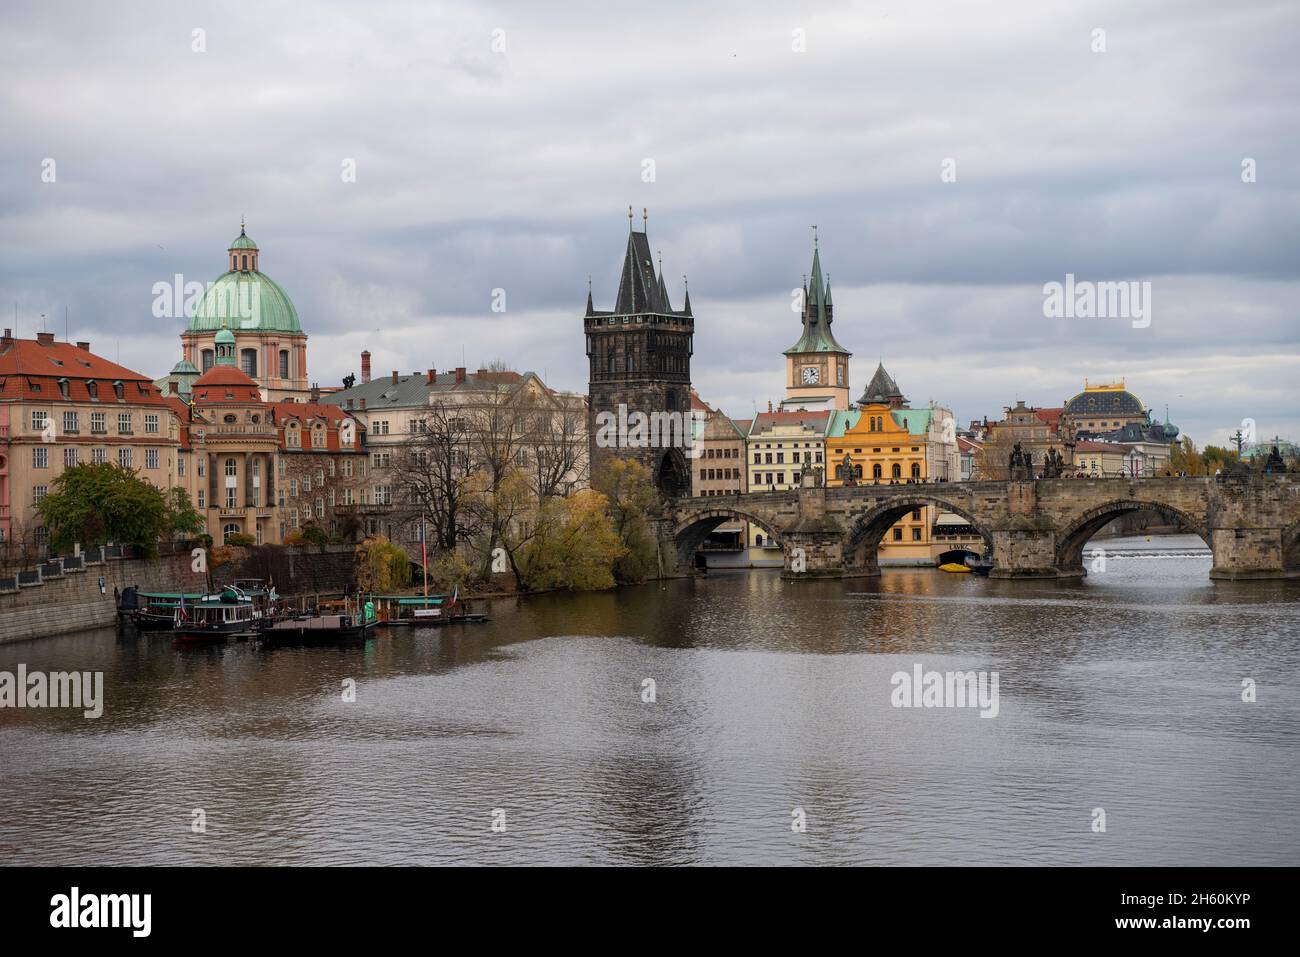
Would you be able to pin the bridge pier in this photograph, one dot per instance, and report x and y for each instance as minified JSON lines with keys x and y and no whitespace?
{"x":1026,"y":550}
{"x":1249,"y":554}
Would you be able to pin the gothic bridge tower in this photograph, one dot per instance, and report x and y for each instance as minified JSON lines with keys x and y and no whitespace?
{"x":639,"y":360}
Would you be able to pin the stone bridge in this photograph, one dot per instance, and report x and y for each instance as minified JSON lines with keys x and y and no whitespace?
{"x":1032,"y":529}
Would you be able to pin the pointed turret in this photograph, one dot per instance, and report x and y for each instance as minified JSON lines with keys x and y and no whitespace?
{"x":882,"y":389}
{"x":686,"y":306}
{"x":817,"y":315}
{"x":638,"y":288}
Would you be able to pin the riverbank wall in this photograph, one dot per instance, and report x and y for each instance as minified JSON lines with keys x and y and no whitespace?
{"x":72,"y":594}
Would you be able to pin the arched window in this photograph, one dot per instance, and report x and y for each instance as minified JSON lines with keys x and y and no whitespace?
{"x":230,"y":468}
{"x":857,"y":471}
{"x":839,"y":471}
{"x":916,"y":470}
{"x":229,"y":419}
{"x":207,"y":359}
{"x":243,"y":262}
{"x":284,"y":363}
{"x":875,"y":471}
{"x":248,"y":362}
{"x":896,"y":471}
{"x":228,"y":530}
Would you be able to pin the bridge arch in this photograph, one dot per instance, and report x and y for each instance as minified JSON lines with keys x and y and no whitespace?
{"x":690,"y":532}
{"x":868,"y":528}
{"x":1071,"y":539}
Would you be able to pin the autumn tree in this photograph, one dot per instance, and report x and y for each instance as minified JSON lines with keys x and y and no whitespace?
{"x":573,"y":545}
{"x":381,"y":566}
{"x":435,"y":470}
{"x":104,"y":502}
{"x":629,"y":497}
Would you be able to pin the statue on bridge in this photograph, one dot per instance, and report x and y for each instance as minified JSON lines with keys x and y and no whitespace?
{"x":1021,"y":465}
{"x":850,"y":477}
{"x":1274,"y":463}
{"x":1053,"y":464}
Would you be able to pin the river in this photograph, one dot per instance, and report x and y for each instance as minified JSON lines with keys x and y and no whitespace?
{"x":1121,"y":692}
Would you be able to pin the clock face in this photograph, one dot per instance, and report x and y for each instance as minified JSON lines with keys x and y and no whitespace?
{"x":810,"y":374}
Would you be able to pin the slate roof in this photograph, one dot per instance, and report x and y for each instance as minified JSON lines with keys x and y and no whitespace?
{"x":881,"y":388}
{"x":413,"y":391}
{"x":640,"y":288}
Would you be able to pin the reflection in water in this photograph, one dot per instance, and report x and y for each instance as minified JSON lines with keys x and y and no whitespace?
{"x":1120,"y":691}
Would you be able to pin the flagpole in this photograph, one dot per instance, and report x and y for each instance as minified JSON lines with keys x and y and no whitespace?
{"x":424,"y":555}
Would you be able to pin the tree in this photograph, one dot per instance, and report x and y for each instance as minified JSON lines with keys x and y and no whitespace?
{"x":381,"y":566}
{"x":435,"y":470}
{"x":104,"y":502}
{"x":629,"y":497}
{"x":573,"y":546}
{"x":555,"y":441}
{"x":313,"y":534}
{"x":182,"y":517}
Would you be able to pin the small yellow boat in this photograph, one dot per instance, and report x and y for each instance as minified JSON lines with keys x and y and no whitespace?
{"x":954,"y":567}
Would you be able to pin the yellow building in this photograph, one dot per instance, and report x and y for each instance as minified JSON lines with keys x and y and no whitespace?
{"x":884,"y":442}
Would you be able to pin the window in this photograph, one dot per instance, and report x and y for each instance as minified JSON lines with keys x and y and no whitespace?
{"x":320,"y":478}
{"x":379,"y":460}
{"x":70,"y":423}
{"x":306,"y":483}
{"x":383,"y":495}
{"x":293,"y":488}
{"x":320,"y":508}
{"x":347,"y":468}
{"x":151,"y":422}
{"x":38,"y":420}
{"x":284,"y":363}
{"x":231,"y":469}
{"x":228,"y":530}
{"x":70,"y":456}
{"x":916,"y":534}
{"x":151,"y":458}
{"x":347,"y":496}
{"x":97,"y":456}
{"x":124,"y":458}
{"x":201,"y":465}
{"x":318,"y":436}
{"x":291,"y":436}
{"x":180,"y":465}
{"x":331,"y":468}
{"x":230,"y":496}
{"x":380,"y":427}
{"x":98,"y":422}
{"x":206,"y":360}
{"x":124,"y":423}
{"x":896,"y":471}
{"x":40,"y":457}
{"x":201,"y":497}
{"x":898,"y":534}
{"x":916,"y":470}
{"x":39,"y":492}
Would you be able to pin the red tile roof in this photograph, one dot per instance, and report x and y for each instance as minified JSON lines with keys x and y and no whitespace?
{"x":31,"y":369}
{"x":1051,"y":416}
{"x":225,"y":384}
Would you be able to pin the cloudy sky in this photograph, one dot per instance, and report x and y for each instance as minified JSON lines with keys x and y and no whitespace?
{"x":498,"y":146}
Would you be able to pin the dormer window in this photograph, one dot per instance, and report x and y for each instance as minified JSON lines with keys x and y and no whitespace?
{"x":93,"y":388}
{"x":63,"y":388}
{"x":119,"y":390}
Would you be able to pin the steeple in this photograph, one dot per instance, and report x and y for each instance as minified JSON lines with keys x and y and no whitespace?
{"x":818,"y":313}
{"x":686,"y":306}
{"x":882,"y":389}
{"x":639,"y":287}
{"x":591,"y":309}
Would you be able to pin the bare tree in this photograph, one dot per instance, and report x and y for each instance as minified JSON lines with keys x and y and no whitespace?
{"x":438,"y":476}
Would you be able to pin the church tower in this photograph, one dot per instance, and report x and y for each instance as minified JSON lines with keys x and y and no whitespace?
{"x":639,"y":357}
{"x":816,"y":367}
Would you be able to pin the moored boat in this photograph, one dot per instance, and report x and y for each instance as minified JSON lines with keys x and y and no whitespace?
{"x":216,"y":617}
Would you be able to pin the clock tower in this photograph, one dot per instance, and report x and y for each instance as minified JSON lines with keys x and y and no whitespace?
{"x":817,"y":367}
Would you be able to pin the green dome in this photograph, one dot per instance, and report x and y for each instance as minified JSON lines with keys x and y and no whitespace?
{"x":224,"y":338}
{"x":230,"y":301}
{"x":242,"y":241}
{"x":184,"y":367}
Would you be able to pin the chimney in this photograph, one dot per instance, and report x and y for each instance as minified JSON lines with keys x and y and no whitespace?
{"x":8,"y":337}
{"x":460,"y":374}
{"x":363,"y":403}
{"x":315,"y":392}
{"x":45,"y":338}
{"x":433,"y":374}
{"x":769,"y":405}
{"x":83,"y":346}
{"x":365,"y":366}
{"x":395,"y":377}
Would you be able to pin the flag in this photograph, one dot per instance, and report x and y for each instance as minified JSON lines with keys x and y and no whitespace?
{"x":455,"y":592}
